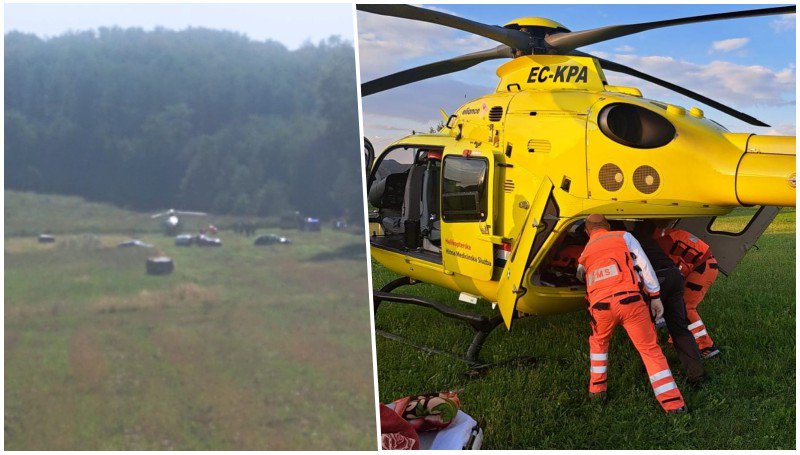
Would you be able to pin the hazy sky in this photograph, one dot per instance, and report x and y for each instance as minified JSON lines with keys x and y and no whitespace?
{"x":287,"y":23}
{"x":748,"y":64}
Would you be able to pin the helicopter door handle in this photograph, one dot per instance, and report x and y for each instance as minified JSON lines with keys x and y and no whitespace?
{"x":524,"y":205}
{"x":520,"y":292}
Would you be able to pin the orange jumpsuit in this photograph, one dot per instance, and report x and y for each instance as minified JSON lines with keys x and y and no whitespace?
{"x":567,"y":257}
{"x":693,"y":257}
{"x":612,"y":286}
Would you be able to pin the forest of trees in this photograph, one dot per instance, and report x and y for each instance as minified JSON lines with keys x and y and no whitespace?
{"x":196,"y":120}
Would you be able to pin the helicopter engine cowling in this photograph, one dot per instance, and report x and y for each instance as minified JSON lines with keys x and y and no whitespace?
{"x":766,"y":172}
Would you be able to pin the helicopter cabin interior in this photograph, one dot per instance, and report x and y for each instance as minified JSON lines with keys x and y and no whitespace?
{"x":404,"y":194}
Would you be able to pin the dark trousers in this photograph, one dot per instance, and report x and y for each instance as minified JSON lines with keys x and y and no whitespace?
{"x":672,"y":284}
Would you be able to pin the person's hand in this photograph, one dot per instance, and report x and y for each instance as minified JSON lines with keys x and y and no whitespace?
{"x":581,"y":274}
{"x":656,"y":309}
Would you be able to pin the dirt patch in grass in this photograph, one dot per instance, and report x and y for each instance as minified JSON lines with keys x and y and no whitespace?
{"x":184,"y":294}
{"x":86,"y":361}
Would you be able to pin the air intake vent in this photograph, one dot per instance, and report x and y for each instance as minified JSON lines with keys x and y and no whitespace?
{"x":508,"y":186}
{"x":611,"y":177}
{"x":646,"y":179}
{"x":538,"y":146}
{"x":495,"y":114}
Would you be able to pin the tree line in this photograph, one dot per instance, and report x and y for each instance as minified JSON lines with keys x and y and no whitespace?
{"x":196,"y":119}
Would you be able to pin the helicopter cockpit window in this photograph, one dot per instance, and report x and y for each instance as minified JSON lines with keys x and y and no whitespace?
{"x":464,"y":189}
{"x":635,"y":126}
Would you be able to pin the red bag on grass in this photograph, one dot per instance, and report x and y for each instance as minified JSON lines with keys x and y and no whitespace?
{"x":396,"y":433}
{"x":429,"y":412}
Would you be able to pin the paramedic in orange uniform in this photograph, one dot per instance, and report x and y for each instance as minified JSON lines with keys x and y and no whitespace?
{"x":610,"y":266}
{"x":693,"y":257}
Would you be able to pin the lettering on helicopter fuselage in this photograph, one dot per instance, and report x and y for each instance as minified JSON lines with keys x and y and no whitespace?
{"x":461,"y":254}
{"x":469,"y":111}
{"x":467,"y":256}
{"x":458,"y":244}
{"x":569,"y":73}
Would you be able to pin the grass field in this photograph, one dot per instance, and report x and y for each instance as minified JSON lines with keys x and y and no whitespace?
{"x":240,"y":348}
{"x":748,"y":404}
{"x":30,"y":214}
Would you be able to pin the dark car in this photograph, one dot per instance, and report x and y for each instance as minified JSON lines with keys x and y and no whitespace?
{"x":271,"y":239}
{"x":205,"y":240}
{"x":184,"y":240}
{"x":311,"y":225}
{"x":134,"y":243}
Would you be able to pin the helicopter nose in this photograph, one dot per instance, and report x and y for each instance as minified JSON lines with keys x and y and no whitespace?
{"x":767,"y":171}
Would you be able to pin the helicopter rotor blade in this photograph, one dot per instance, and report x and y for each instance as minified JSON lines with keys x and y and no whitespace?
{"x":620,"y":68}
{"x":568,"y":41}
{"x":158,"y":215}
{"x":513,"y":38}
{"x":183,"y":213}
{"x":434,"y":69}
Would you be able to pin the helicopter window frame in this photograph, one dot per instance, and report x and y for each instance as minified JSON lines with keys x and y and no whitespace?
{"x":379,"y":160}
{"x":653,"y":130}
{"x":710,"y":226}
{"x":480,"y":214}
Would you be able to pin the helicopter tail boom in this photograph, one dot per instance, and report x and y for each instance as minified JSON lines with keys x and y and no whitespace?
{"x":765,"y":174}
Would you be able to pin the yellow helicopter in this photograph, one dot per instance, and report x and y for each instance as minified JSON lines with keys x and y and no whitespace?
{"x":485,"y":206}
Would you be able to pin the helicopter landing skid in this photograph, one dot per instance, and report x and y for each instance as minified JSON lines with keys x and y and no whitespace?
{"x":482,"y":325}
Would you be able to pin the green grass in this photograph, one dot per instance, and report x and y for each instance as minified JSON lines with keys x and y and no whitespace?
{"x":28,"y":214}
{"x":242,"y":347}
{"x":748,"y":404}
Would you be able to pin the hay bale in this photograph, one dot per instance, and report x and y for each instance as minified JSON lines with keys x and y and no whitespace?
{"x":160,"y":265}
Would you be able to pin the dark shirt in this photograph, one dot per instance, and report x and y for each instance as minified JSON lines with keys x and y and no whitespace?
{"x":658,"y":258}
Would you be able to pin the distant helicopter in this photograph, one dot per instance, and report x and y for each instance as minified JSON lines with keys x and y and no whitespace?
{"x":485,"y":205}
{"x":172,"y":224}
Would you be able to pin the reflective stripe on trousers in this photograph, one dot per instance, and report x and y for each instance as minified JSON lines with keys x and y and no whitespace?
{"x":662,"y":382}
{"x":635,"y":319}
{"x":598,"y":365}
{"x":692,"y":298}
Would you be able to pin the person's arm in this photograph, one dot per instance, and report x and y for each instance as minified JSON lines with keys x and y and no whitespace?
{"x":641,"y":260}
{"x":648,"y":275}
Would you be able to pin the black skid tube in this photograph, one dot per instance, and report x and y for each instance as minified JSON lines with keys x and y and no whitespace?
{"x":482,"y":325}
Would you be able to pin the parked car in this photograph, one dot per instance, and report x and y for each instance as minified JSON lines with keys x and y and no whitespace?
{"x":311,"y":224}
{"x":205,"y":240}
{"x":134,"y":243}
{"x":184,"y":240}
{"x":271,"y":239}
